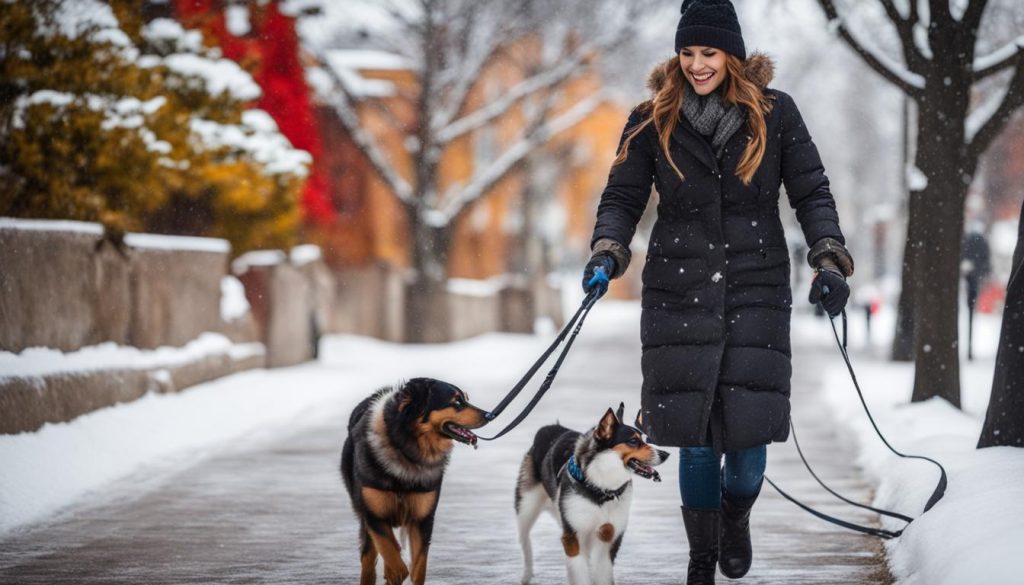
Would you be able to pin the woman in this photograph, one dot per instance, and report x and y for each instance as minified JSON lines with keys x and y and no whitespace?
{"x":716,"y":144}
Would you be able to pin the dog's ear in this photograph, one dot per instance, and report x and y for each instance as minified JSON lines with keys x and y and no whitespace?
{"x":639,"y":422}
{"x":621,"y":411}
{"x":606,"y":428}
{"x":413,"y":399}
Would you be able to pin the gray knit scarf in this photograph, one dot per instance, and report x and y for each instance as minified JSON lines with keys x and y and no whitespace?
{"x":711,"y":118}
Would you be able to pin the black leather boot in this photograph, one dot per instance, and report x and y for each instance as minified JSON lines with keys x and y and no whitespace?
{"x":702,"y":530}
{"x":735,"y":553}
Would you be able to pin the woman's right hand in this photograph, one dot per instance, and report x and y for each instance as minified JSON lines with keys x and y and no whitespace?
{"x":598,"y":272}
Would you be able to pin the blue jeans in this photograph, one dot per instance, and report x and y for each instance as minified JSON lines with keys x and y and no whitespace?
{"x":701,"y":475}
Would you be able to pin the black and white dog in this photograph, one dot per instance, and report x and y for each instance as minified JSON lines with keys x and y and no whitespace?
{"x":586,"y":481}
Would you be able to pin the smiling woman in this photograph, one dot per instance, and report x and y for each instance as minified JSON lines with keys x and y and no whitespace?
{"x":717,"y":144}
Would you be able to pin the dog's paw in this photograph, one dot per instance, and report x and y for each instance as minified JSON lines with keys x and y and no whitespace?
{"x":396,"y":576}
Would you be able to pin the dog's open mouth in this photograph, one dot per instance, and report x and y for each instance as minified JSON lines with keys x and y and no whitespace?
{"x":643,"y":470}
{"x":460,"y":434}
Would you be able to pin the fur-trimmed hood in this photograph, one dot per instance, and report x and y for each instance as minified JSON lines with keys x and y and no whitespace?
{"x":758,"y":67}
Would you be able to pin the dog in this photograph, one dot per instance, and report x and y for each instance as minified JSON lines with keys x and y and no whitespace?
{"x":399,"y":442}
{"x":586,"y":481}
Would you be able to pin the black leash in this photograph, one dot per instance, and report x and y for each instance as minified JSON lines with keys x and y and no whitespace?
{"x":937,"y":494}
{"x":574,"y":324}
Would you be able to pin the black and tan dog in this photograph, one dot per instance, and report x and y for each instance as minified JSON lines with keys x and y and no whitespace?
{"x":585,"y":479}
{"x":398,"y":445}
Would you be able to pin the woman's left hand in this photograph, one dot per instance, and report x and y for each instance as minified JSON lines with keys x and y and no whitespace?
{"x":830,"y":289}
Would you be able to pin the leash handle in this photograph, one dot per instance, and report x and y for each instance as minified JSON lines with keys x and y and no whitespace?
{"x":576,"y":323}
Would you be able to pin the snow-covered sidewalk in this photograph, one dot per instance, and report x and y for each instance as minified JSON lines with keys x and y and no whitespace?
{"x":237,"y":481}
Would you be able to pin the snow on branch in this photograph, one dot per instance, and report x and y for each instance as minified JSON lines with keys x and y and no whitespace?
{"x":999,"y":59}
{"x":499,"y":107}
{"x":911,"y":83}
{"x":986,"y":122}
{"x":483,"y":182}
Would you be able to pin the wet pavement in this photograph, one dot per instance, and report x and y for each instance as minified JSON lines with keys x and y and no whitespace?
{"x":273,"y":510}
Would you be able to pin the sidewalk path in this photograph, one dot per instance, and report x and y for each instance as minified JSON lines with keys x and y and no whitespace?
{"x":275,"y":511}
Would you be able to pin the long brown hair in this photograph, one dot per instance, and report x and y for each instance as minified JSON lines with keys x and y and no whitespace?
{"x":664,"y":109}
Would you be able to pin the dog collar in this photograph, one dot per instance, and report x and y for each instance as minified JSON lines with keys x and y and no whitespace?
{"x":575,"y":471}
{"x":600,"y":494}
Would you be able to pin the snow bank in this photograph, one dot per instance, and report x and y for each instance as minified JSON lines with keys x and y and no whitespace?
{"x":975,"y":532}
{"x":43,"y":361}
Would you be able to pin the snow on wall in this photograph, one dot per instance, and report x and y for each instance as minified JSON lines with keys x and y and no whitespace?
{"x":135,"y":240}
{"x":51,"y":225}
{"x":42,"y":361}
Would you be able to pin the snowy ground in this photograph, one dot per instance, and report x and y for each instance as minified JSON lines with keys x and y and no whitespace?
{"x":102,"y":460}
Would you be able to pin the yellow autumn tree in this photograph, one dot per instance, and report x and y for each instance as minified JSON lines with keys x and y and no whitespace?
{"x":139,"y":126}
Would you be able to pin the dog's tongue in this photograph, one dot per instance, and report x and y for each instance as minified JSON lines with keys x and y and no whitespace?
{"x":645,"y":471}
{"x":462,"y":435}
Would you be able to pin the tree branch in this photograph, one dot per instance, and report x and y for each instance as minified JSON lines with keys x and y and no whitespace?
{"x":459,"y":91}
{"x":909,"y":82}
{"x":940,"y":13}
{"x":1012,"y":101}
{"x":494,"y":110}
{"x":973,"y":14}
{"x":905,"y":31}
{"x":489,"y":177}
{"x":1007,"y":56}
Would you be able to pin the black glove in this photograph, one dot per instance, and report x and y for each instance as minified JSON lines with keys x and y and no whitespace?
{"x":830,"y":289}
{"x":598,"y":272}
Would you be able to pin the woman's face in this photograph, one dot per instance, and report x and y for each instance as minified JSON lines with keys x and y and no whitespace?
{"x":704,"y":68}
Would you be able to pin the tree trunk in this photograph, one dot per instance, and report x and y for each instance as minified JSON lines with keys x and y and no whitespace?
{"x":937,"y":214}
{"x":903,"y":337}
{"x":1004,"y":422}
{"x":427,"y":313}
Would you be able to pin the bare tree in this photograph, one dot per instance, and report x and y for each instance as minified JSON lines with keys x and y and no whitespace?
{"x":938,"y":69}
{"x":452,"y":44}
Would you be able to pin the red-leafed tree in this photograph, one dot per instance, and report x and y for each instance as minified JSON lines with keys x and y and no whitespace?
{"x":269,"y":48}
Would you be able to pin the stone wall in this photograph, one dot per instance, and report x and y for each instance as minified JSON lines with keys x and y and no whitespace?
{"x":292,"y":302}
{"x":368,"y":301}
{"x":65,"y":287}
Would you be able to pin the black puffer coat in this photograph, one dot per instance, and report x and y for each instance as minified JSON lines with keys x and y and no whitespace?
{"x":716,"y":293}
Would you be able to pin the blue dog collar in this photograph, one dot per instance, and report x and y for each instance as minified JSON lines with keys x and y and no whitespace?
{"x":574,"y":469}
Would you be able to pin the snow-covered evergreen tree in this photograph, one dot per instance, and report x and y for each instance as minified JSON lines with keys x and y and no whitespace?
{"x":137,"y":126}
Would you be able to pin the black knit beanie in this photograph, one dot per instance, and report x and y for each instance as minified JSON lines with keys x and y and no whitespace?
{"x":710,"y":23}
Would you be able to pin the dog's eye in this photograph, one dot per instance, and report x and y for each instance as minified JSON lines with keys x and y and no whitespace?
{"x":458,"y":404}
{"x":634,"y":442}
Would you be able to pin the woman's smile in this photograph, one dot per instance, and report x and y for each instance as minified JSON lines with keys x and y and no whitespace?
{"x":702,"y":78}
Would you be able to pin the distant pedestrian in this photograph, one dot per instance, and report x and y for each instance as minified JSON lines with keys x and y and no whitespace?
{"x":976,"y":266}
{"x":716,"y":143}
